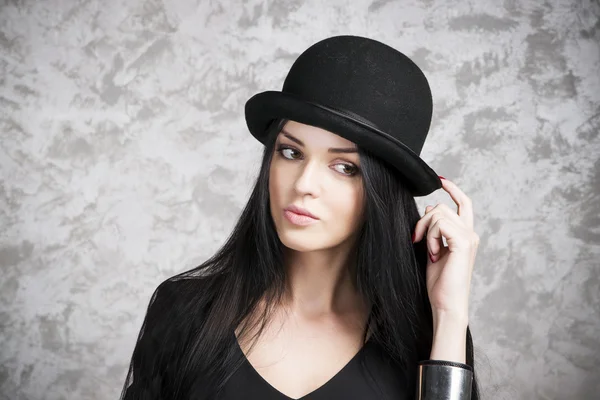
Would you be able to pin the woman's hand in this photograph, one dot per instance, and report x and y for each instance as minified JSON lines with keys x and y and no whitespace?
{"x":449,"y":269}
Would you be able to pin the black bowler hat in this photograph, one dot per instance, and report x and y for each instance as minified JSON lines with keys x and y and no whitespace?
{"x":360,"y":89}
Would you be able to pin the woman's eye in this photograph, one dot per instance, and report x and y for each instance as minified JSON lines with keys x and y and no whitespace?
{"x":347,"y":169}
{"x":289,"y":150}
{"x":344,"y":169}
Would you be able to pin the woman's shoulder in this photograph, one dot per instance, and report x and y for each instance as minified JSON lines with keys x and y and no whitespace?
{"x":176,"y":290}
{"x":172,"y":304}
{"x":176,"y":294}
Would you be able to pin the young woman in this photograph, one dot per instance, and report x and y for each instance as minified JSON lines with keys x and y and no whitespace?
{"x":331,"y":286}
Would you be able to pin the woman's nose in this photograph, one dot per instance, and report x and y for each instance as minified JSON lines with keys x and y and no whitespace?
{"x":308,"y":180}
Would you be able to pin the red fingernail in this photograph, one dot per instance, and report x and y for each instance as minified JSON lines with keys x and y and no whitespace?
{"x":441,"y":177}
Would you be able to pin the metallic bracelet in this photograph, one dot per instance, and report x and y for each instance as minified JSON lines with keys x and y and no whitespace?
{"x":444,"y":380}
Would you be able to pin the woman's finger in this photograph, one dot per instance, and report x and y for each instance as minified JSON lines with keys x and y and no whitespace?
{"x":433,"y":246}
{"x":449,"y":213}
{"x":424,"y":222}
{"x":464,"y":203}
{"x":434,"y":235}
{"x":440,"y":226}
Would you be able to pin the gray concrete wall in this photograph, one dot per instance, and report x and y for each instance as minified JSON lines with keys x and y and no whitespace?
{"x":125,"y":158}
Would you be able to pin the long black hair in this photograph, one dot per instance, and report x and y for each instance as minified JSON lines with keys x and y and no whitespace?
{"x":186,"y":344}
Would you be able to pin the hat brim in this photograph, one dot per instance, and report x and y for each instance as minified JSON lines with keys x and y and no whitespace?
{"x":263,"y":107}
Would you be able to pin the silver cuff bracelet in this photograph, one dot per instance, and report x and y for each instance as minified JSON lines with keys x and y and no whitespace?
{"x":444,"y":380}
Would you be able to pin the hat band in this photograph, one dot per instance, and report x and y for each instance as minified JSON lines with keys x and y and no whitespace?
{"x":362,"y":122}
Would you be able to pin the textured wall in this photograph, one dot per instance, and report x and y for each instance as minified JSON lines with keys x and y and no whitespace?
{"x":125,"y":159}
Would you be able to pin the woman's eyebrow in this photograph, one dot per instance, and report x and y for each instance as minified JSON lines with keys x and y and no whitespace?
{"x":331,"y":150}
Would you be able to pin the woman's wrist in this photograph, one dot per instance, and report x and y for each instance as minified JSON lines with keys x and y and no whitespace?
{"x":447,"y":317}
{"x":449,"y":337}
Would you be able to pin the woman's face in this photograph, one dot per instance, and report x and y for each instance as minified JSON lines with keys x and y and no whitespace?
{"x":307,"y":171}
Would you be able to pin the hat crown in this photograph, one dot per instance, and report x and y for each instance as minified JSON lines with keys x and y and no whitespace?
{"x":369,"y":79}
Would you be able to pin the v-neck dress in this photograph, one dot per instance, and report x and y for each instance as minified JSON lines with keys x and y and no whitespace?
{"x":368,"y":375}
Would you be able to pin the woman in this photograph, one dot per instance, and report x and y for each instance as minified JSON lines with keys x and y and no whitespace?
{"x":331,"y":285}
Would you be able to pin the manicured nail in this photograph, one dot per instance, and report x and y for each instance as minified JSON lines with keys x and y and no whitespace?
{"x":441,"y":177}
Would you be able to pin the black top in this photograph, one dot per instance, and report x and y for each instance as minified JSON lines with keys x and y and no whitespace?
{"x":166,"y":339}
{"x":368,"y":375}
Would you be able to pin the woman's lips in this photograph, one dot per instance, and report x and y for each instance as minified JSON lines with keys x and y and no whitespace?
{"x":298,"y":219}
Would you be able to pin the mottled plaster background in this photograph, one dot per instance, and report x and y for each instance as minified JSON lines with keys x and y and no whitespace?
{"x":125,"y":159}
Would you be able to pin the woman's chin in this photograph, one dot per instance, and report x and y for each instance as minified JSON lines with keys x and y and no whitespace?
{"x":301,"y":241}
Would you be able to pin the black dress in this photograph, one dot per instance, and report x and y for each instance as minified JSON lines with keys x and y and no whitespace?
{"x":162,"y":344}
{"x":368,"y":375}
